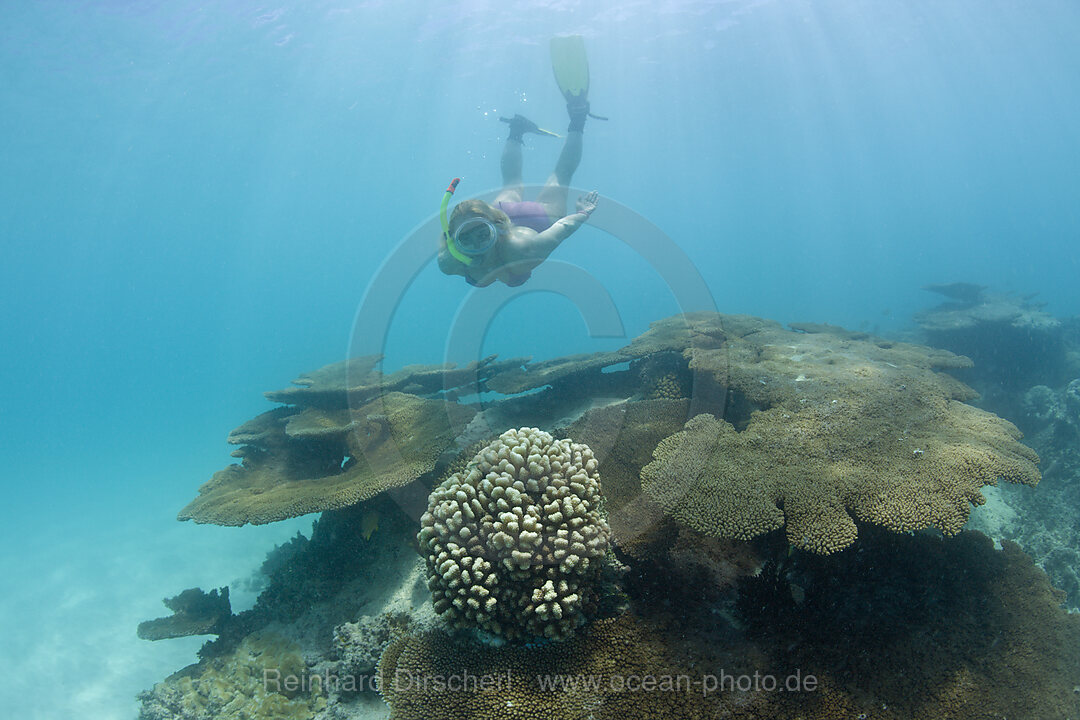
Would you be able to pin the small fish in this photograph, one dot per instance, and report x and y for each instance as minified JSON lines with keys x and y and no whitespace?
{"x":369,"y":523}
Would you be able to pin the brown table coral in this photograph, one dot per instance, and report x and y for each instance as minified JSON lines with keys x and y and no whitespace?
{"x":835,"y":424}
{"x":820,"y":423}
{"x":1014,"y":342}
{"x":298,"y":461}
{"x":195,"y":612}
{"x":357,"y":381}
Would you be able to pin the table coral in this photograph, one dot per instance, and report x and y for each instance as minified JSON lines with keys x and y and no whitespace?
{"x":195,"y":612}
{"x":622,"y":437}
{"x":867,"y":404}
{"x":1013,"y":341}
{"x":387,"y":443}
{"x":836,"y":425}
{"x":514,"y":543}
{"x":357,"y":381}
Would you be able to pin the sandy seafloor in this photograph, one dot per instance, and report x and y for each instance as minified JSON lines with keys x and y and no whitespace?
{"x":73,"y":599}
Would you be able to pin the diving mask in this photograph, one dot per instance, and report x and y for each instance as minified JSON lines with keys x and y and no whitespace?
{"x":475,"y":236}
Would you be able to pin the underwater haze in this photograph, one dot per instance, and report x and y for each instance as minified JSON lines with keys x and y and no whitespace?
{"x":195,"y":198}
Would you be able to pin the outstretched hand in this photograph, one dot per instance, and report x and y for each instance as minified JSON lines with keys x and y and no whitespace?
{"x":588,"y":202}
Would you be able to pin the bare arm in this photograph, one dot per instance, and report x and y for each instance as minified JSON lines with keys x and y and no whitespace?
{"x":539,"y":246}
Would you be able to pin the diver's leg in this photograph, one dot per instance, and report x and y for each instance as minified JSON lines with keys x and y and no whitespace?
{"x":555,"y":193}
{"x":510,"y":163}
{"x":569,"y":158}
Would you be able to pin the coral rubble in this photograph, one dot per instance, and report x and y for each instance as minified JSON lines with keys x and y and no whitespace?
{"x":262,"y":678}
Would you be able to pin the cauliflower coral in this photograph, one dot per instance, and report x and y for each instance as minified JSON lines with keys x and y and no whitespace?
{"x":515,"y":542}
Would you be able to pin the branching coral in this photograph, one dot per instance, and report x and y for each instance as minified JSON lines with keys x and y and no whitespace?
{"x":514,"y":542}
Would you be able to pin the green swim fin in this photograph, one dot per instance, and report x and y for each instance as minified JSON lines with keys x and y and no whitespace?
{"x":571,"y":67}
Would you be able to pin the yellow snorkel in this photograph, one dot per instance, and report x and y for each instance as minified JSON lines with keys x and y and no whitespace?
{"x":450,"y":245}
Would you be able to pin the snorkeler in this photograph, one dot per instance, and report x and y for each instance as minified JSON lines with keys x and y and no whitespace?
{"x":508,"y":239}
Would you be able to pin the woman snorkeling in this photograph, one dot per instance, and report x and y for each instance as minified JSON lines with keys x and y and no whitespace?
{"x":507,"y":239}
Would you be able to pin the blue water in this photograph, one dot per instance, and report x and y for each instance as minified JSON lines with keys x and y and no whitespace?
{"x":194,"y":198}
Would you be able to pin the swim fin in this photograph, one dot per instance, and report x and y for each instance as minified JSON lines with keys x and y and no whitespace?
{"x":571,"y":67}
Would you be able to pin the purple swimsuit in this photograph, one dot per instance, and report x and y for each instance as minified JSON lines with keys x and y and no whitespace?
{"x":528,"y":214}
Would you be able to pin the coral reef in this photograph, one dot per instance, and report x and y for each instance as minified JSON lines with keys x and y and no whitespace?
{"x":932,"y":628}
{"x":1026,"y":368}
{"x":297,"y":461}
{"x":336,"y":597}
{"x":194,"y":613}
{"x":910,"y":627}
{"x":1045,"y":523}
{"x":705,"y":426}
{"x":1053,"y":412}
{"x":358,"y":645}
{"x":514,"y":542}
{"x":1013,"y":342}
{"x":622,"y":437}
{"x":254,"y":681}
{"x":326,"y":581}
{"x":836,"y":424}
